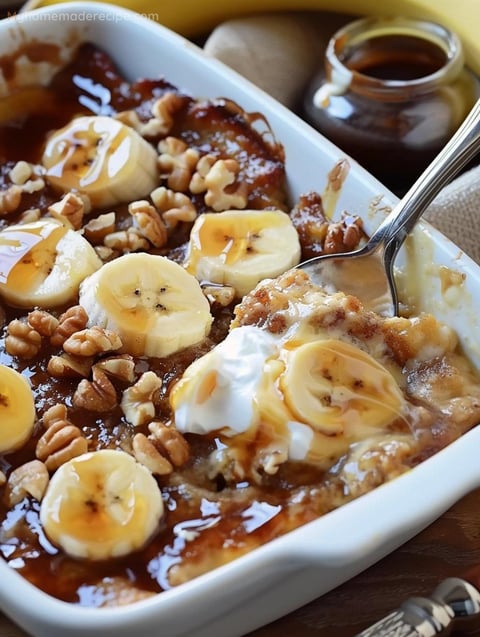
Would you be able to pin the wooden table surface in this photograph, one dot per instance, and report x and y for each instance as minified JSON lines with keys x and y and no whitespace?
{"x":448,"y":547}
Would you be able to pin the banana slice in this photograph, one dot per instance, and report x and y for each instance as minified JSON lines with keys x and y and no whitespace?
{"x":155,"y":306}
{"x":101,"y":504}
{"x":42,"y":264}
{"x":242,"y":247}
{"x":17,"y":410}
{"x":337,"y":388}
{"x":102,"y":157}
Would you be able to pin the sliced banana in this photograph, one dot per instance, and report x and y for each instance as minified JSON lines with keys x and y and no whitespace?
{"x":101,"y":504}
{"x":155,"y":306}
{"x":241,"y":247}
{"x":42,"y":264}
{"x":338,"y":388}
{"x":102,"y":157}
{"x":17,"y":410}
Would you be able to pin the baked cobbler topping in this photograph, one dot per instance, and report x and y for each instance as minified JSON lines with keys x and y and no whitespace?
{"x":172,"y":393}
{"x":304,"y":376}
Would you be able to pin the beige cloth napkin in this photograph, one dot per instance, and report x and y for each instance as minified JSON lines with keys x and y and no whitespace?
{"x":280,"y":52}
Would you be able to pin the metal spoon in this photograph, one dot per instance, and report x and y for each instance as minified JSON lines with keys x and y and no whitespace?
{"x":368,"y":271}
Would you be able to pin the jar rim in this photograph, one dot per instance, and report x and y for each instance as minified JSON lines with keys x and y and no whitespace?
{"x":363,"y":29}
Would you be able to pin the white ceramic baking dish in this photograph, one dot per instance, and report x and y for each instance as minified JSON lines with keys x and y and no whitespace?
{"x":291,"y":571}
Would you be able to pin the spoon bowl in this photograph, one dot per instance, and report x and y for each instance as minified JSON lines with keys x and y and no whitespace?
{"x":368,"y":272}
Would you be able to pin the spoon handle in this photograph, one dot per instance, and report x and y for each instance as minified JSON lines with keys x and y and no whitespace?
{"x":455,"y":604}
{"x":464,"y":144}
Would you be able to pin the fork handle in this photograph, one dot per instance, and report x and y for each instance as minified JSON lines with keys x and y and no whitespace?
{"x":455,"y":604}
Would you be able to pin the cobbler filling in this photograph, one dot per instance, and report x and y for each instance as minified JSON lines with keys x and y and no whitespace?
{"x":261,"y":405}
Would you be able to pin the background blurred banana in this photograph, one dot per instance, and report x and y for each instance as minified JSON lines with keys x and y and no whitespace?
{"x":192,"y":18}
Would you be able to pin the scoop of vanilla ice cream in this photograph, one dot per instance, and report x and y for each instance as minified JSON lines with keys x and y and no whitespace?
{"x":217,"y":391}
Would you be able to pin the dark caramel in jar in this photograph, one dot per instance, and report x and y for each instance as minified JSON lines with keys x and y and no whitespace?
{"x":391,"y":95}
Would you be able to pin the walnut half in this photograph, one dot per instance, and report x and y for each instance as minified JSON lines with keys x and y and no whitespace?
{"x":29,"y":479}
{"x":61,"y":441}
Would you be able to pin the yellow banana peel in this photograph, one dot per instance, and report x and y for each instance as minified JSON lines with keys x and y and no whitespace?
{"x":193,"y":18}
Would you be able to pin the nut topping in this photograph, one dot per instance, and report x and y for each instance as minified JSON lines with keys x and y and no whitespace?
{"x":10,"y":200}
{"x":29,"y":479}
{"x":92,"y":341}
{"x":176,"y":162}
{"x":71,"y":321}
{"x":61,"y":441}
{"x":97,"y":395}
{"x":170,"y":441}
{"x":137,"y":401}
{"x":218,"y":179}
{"x":69,"y":210}
{"x":147,"y":454}
{"x":149,"y":223}
{"x":174,"y":206}
{"x":43,"y":322}
{"x":22,"y":340}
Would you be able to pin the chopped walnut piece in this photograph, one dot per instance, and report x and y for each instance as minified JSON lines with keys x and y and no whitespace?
{"x":342,"y":237}
{"x":43,"y":322}
{"x":29,"y":479}
{"x":106,"y":254}
{"x":137,"y":401}
{"x":97,"y":395}
{"x":98,"y":228}
{"x":92,"y":341}
{"x":177,"y":162}
{"x":72,"y":320}
{"x":221,"y":295}
{"x":174,"y":206}
{"x":61,"y":441}
{"x":121,"y":367}
{"x":170,"y":441}
{"x":20,"y":173}
{"x":33,"y":185}
{"x":126,"y":241}
{"x":204,"y":164}
{"x":272,"y":460}
{"x":30,"y":215}
{"x":69,"y":210}
{"x":54,"y":414}
{"x":22,"y":340}
{"x":152,"y":128}
{"x":68,"y":366}
{"x":129,"y":118}
{"x":10,"y":200}
{"x":146,"y":453}
{"x":222,"y":175}
{"x":163,"y":111}
{"x":222,"y":191}
{"x":149,"y":223}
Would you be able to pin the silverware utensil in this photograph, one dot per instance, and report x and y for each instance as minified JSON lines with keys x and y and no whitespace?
{"x":368,"y":272}
{"x":453,"y":606}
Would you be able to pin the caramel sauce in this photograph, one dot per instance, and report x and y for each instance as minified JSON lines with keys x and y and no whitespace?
{"x":396,"y":57}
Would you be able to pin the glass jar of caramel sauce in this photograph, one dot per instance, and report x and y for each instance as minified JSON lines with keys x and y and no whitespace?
{"x":392,"y":93}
